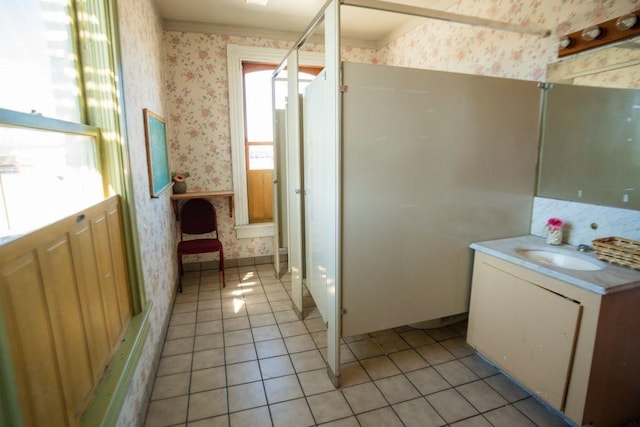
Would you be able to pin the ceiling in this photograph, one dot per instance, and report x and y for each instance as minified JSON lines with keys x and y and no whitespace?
{"x":287,"y":17}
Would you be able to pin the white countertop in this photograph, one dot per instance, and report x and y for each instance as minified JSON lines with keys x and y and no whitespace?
{"x":612,"y":278}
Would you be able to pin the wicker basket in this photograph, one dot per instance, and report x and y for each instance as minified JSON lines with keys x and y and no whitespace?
{"x":618,"y":250}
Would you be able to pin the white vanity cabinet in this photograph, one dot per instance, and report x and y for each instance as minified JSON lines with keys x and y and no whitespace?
{"x":576,"y":349}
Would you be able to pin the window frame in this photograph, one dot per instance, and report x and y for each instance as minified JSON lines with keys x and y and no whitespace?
{"x":236,"y":55}
{"x":32,"y":121}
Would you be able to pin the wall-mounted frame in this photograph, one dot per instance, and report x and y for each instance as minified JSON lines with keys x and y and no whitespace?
{"x":157,"y":155}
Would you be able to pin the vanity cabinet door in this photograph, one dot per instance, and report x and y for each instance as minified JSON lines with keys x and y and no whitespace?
{"x":528,"y":331}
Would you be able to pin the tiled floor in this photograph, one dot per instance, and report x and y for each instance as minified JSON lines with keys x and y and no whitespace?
{"x":239,"y":356}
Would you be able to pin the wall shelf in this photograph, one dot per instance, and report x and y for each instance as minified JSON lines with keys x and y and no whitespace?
{"x":175,"y":198}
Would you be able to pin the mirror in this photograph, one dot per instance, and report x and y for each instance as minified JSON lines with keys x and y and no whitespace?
{"x":590,"y":149}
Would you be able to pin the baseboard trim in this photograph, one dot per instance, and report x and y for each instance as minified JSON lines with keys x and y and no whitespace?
{"x":233,"y":262}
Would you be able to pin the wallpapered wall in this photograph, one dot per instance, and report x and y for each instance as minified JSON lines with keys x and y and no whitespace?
{"x":197,"y":95}
{"x":461,"y":48}
{"x":599,"y":68}
{"x":143,"y":81}
{"x":198,"y":120}
{"x":187,"y":71}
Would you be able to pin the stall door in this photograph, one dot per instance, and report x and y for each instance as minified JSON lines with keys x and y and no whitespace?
{"x":315,"y":159}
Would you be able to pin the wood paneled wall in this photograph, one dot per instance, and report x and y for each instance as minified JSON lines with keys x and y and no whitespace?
{"x":65,"y":302}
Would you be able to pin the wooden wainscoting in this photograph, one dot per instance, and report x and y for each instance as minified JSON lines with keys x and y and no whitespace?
{"x":65,"y":302}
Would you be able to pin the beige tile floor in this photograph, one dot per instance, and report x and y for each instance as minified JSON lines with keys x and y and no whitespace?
{"x":239,"y":356}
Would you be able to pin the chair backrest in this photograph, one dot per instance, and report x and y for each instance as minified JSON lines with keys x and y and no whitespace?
{"x":198,"y":216}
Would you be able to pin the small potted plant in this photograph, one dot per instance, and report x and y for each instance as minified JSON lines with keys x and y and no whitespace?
{"x":179,"y":182}
{"x":554,"y":231}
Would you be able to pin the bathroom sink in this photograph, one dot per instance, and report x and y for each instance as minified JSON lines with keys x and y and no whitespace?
{"x":560,"y":258}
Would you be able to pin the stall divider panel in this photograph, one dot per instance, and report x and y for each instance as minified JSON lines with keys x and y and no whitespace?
{"x":280,"y":234}
{"x":432,"y":161}
{"x":333,"y":208}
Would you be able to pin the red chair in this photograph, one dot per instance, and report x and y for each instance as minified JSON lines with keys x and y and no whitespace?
{"x":198,"y":216}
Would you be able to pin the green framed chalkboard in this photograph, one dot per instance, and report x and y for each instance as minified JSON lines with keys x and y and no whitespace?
{"x":157,"y":155}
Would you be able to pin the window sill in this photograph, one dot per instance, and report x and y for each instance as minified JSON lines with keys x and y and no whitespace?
{"x":113,"y":387}
{"x":254,"y":230}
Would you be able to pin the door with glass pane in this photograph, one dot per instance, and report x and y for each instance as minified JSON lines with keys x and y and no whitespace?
{"x":258,"y":140}
{"x":265,"y":97}
{"x":259,"y":182}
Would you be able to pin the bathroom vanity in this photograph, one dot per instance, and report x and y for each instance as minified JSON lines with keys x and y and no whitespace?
{"x":563,"y":324}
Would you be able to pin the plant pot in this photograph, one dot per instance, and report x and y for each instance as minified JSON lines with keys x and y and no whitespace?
{"x":179,"y":187}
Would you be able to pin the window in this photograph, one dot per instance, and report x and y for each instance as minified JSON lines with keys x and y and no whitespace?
{"x":61,"y":149}
{"x":60,"y":118}
{"x":46,"y":175}
{"x":260,"y":154}
{"x":49,"y":164}
{"x":39,"y":65}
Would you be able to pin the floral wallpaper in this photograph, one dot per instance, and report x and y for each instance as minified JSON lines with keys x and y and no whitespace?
{"x":461,"y":48}
{"x":182,"y":76}
{"x":599,"y":68}
{"x":629,"y":77}
{"x":197,"y":93}
{"x":143,"y":81}
{"x":198,"y":120}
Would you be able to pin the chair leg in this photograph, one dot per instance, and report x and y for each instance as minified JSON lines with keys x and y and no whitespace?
{"x":224,"y":284}
{"x":180,"y":273}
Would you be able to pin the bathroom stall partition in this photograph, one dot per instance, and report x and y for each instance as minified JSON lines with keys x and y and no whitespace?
{"x":431,"y":161}
{"x":318,"y":195}
{"x":403,"y":168}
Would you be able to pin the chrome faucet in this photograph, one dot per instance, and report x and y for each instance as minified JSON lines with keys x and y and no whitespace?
{"x":585,"y":248}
